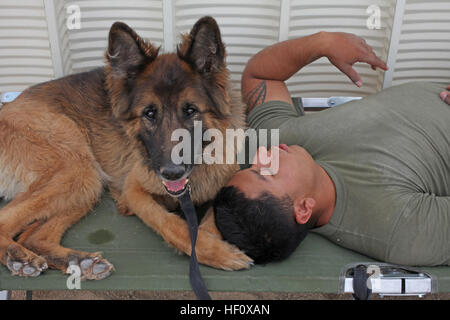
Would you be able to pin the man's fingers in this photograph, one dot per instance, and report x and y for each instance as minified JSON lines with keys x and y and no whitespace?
{"x":445,"y":96}
{"x":374,"y":62}
{"x":352,"y":74}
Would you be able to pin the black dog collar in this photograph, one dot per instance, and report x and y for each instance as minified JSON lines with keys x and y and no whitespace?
{"x":195,"y":277}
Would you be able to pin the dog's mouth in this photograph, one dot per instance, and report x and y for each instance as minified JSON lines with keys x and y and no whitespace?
{"x":177,"y":187}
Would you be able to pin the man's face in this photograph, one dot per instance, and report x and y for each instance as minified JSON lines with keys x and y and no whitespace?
{"x":294,"y":176}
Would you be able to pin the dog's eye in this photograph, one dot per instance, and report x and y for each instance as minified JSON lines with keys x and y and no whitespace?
{"x":150,"y":112}
{"x":189,"y":110}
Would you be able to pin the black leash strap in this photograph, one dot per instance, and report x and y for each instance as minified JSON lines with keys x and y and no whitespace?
{"x":195,"y":277}
{"x":360,"y":289}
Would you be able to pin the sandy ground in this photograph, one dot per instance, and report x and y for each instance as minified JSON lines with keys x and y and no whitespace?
{"x":188,"y":295}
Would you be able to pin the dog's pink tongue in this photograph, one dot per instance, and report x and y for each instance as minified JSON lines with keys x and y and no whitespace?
{"x":175,"y":185}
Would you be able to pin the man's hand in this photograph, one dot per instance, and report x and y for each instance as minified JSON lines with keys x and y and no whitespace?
{"x":345,"y":49}
{"x":266,"y":72}
{"x":445,"y":95}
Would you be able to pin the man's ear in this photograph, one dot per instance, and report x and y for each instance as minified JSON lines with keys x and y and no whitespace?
{"x":127,"y":51}
{"x":203,"y":48}
{"x":303,"y":209}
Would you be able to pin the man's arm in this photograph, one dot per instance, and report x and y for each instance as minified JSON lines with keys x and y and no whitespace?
{"x":445,"y":95}
{"x":263,"y":78}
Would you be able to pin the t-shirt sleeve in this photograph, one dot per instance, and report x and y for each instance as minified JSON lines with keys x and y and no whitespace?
{"x":272,"y":114}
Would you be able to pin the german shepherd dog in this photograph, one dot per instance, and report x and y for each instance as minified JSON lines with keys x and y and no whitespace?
{"x":62,"y":141}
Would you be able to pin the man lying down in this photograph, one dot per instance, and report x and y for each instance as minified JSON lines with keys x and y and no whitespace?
{"x":372,"y":175}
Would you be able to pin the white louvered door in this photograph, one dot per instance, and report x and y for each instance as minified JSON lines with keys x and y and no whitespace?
{"x":25,"y":56}
{"x":424,"y":46}
{"x":36,"y":44}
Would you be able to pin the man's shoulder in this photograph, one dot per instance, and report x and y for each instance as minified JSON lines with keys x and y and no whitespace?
{"x":272,"y":113}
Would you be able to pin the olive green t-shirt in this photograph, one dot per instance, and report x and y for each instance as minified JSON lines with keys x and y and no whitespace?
{"x":389,"y":158}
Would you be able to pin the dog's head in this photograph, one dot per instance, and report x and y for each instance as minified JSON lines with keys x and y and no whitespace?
{"x":154,"y":94}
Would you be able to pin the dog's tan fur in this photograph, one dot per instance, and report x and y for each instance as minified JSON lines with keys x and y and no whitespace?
{"x":63,"y":140}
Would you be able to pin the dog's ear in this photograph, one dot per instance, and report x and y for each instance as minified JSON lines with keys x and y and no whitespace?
{"x":127,"y":51}
{"x":203,"y":48}
{"x":127,"y":54}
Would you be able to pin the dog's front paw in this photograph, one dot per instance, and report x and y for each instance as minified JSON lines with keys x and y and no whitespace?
{"x":220,"y":254}
{"x":235,"y":259}
{"x":23,"y":262}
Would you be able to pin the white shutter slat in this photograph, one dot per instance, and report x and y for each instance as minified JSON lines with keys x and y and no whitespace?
{"x":29,"y":12}
{"x":15,"y":22}
{"x":119,"y":4}
{"x":427,"y":26}
{"x":99,"y":25}
{"x":256,"y":21}
{"x":230,"y":3}
{"x":25,"y":57}
{"x":421,"y":46}
{"x":429,"y":73}
{"x":423,"y":64}
{"x":424,"y":37}
{"x":424,"y":5}
{"x":34,"y":33}
{"x":17,"y":62}
{"x":29,"y":53}
{"x":434,"y":15}
{"x":21,"y":44}
{"x":338,"y":4}
{"x":310,"y":13}
{"x":417,"y":55}
{"x":19,"y":82}
{"x":26,"y":70}
{"x":134,"y":13}
{"x":228,"y":11}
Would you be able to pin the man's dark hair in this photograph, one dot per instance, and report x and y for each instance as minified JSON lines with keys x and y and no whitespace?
{"x":264,"y":228}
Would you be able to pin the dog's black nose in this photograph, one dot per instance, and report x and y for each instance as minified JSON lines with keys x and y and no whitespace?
{"x":173,"y":172}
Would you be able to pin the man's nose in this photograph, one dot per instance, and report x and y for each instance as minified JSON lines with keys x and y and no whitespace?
{"x":173,"y":172}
